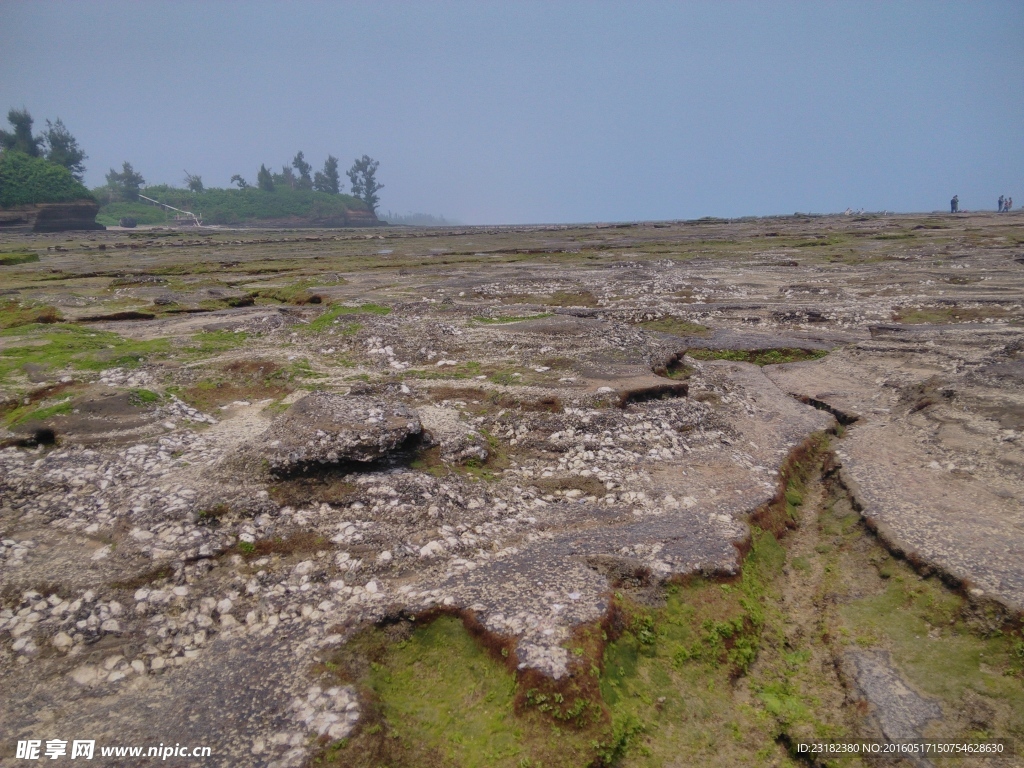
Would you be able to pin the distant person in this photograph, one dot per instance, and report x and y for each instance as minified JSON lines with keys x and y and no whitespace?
{"x":1001,"y":201}
{"x":1008,"y":204}
{"x":954,"y":204}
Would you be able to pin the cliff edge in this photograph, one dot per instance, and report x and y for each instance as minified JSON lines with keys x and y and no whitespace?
{"x":51,"y":217}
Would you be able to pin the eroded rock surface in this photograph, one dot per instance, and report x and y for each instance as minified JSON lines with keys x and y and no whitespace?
{"x":508,"y":437}
{"x":329,"y":428}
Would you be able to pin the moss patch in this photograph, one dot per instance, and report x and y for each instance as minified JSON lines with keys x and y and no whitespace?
{"x":556,"y":299}
{"x":211,"y":343}
{"x":759,"y":356}
{"x":334,"y":314}
{"x":18,"y":257}
{"x":441,"y":700}
{"x":295,"y":544}
{"x":942,"y":315}
{"x":22,"y":416}
{"x":300,"y":292}
{"x":14,"y":314}
{"x":59,"y":346}
{"x":945,"y":648}
{"x":246,"y":380}
{"x":670,"y":675}
{"x":677,"y":326}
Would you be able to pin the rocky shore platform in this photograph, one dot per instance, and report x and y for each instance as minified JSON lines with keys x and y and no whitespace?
{"x":227,"y":456}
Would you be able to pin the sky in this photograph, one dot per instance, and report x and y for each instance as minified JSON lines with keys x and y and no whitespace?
{"x":534,"y":112}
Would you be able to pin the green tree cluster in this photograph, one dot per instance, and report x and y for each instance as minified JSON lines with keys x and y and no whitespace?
{"x":304,"y":180}
{"x":124,"y":184}
{"x":264,"y":179}
{"x":328,"y":180}
{"x":362,"y":174}
{"x":193,"y":182}
{"x":55,"y":144}
{"x":25,"y":180}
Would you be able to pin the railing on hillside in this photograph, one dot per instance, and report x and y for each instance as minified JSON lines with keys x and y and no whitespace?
{"x":179,"y":215}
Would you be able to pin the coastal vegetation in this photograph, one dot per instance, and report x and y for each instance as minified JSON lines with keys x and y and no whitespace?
{"x":49,"y":168}
{"x":25,"y":180}
{"x":229,"y":206}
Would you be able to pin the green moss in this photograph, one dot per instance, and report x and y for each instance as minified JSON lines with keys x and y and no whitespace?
{"x":58,"y":346}
{"x":276,"y":408}
{"x":566,"y":299}
{"x":40,"y":414}
{"x":942,"y":315}
{"x":303,"y":369}
{"x":448,"y":703}
{"x":14,"y":314}
{"x":505,"y":378}
{"x":210,"y":343}
{"x":249,"y":379}
{"x":143,"y":397}
{"x":715,"y":676}
{"x":899,"y":236}
{"x":759,"y":356}
{"x":820,"y":241}
{"x":438,"y":672}
{"x":672,"y":667}
{"x":430,"y":461}
{"x":333,"y":315}
{"x":933,"y":639}
{"x":19,"y":257}
{"x":300,"y":292}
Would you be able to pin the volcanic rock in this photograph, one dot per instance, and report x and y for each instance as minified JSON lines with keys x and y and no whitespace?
{"x":328,"y":428}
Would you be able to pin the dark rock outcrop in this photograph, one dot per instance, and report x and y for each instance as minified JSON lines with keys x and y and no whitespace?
{"x":327,"y":428}
{"x":51,"y":217}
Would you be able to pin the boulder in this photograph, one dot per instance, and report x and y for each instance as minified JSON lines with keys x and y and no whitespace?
{"x":459,"y":443}
{"x":328,"y":428}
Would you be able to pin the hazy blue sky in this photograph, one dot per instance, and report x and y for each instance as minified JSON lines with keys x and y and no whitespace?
{"x":519,"y":112}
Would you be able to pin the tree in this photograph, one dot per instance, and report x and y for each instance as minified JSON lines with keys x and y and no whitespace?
{"x":286,"y":178}
{"x":21,"y":138}
{"x":363,"y":175}
{"x":126,"y":184}
{"x":329,"y":180}
{"x":25,"y":180}
{"x":242,"y":183}
{"x":299,"y":164}
{"x":62,"y":148}
{"x":194,"y":182}
{"x":264,"y":180}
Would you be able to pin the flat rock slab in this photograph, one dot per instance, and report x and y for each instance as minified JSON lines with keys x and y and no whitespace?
{"x":328,"y":428}
{"x":457,"y":441}
{"x":899,"y":711}
{"x":929,"y":458}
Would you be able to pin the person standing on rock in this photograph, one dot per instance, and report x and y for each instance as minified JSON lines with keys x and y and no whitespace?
{"x":954,"y":204}
{"x":1000,"y":209}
